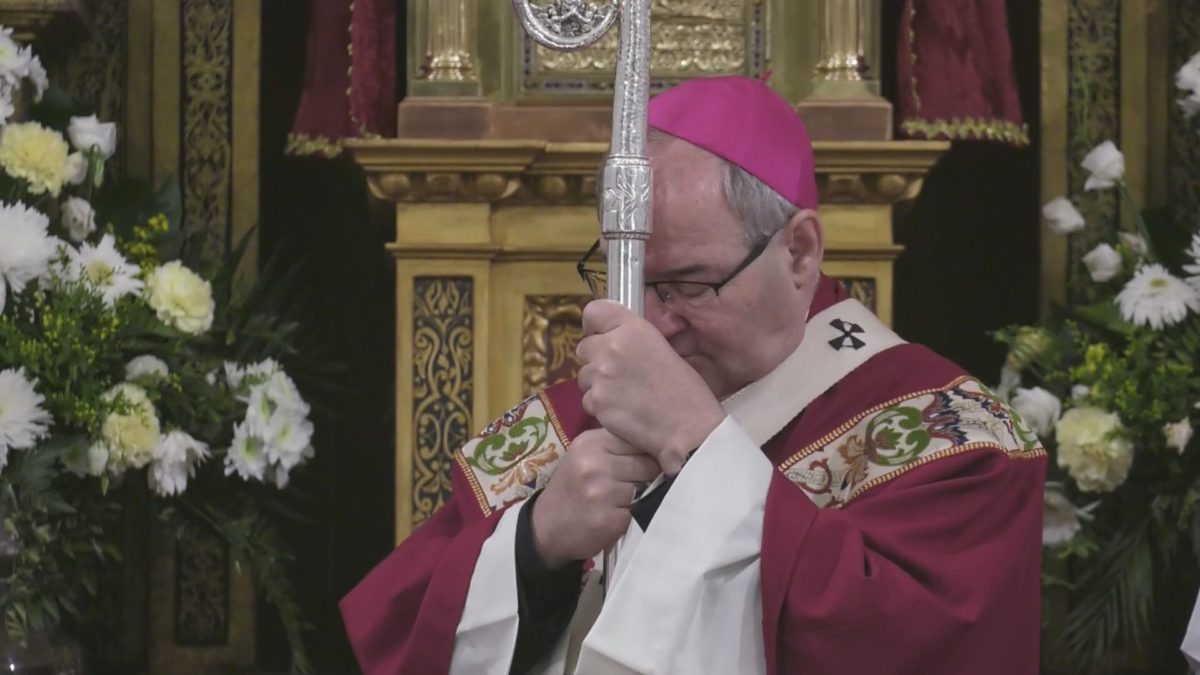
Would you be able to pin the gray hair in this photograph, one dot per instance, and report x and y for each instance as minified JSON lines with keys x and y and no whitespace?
{"x":761,"y":210}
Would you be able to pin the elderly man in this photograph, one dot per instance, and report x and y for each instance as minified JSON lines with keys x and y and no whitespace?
{"x":758,"y":477}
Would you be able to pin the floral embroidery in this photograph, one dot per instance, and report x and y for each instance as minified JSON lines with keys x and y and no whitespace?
{"x":888,"y":440}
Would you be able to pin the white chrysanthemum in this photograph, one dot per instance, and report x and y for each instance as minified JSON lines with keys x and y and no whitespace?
{"x":1155,"y":298}
{"x":246,"y":457}
{"x":6,"y":106}
{"x":1178,"y":434}
{"x":289,"y":436}
{"x":1193,"y":268}
{"x":146,"y":366}
{"x":280,"y":474}
{"x":1105,"y":165}
{"x":14,"y":61}
{"x":285,"y":395}
{"x":22,"y":419}
{"x":180,"y":298}
{"x":26,"y":249}
{"x":103,"y":268}
{"x":37,"y":76}
{"x":1062,"y":217}
{"x":130,"y":432}
{"x":258,"y":410}
{"x":1039,"y":408}
{"x":1093,"y":448}
{"x":175,"y":460}
{"x":1061,"y":519}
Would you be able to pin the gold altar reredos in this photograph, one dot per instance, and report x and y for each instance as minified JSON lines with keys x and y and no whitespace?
{"x":493,"y":183}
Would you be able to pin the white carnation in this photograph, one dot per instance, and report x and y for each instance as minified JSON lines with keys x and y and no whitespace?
{"x":22,"y":419}
{"x":180,"y":298}
{"x":131,"y":430}
{"x":146,"y":366}
{"x":1093,"y":448}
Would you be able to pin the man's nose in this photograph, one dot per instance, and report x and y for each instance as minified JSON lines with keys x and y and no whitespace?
{"x":662,"y":317}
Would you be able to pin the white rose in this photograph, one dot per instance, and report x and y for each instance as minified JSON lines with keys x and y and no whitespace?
{"x":131,"y":435}
{"x":1092,"y":447}
{"x":97,"y":458}
{"x":1103,"y":263}
{"x":1188,"y":77}
{"x":1135,"y":242}
{"x":1080,"y":392}
{"x":1039,"y":408}
{"x":1106,"y":165}
{"x":147,"y":366}
{"x":89,"y":132}
{"x":77,"y":168}
{"x":1178,"y":434}
{"x":180,"y":297}
{"x":79,"y":218}
{"x":1060,"y":519}
{"x":1062,"y":216}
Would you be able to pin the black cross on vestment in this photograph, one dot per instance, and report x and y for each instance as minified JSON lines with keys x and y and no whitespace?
{"x":848,"y":337}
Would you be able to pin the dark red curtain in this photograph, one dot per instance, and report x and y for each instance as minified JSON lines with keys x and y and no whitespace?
{"x":349,"y":76}
{"x":955,"y":70}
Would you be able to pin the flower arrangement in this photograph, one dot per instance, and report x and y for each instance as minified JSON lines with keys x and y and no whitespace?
{"x":1112,"y":387}
{"x":123,"y":369}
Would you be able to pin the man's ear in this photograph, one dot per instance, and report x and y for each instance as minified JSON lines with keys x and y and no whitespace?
{"x":806,"y":244}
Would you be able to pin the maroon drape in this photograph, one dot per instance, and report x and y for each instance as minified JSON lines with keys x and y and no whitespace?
{"x":349,"y":76}
{"x":955,"y":70}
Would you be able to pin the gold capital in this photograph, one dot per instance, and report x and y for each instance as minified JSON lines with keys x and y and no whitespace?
{"x":848,"y":32}
{"x":448,"y":50}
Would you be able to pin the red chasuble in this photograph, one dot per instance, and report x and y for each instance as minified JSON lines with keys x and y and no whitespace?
{"x":899,"y":536}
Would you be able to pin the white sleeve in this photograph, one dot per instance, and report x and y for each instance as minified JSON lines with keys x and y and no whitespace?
{"x":487,"y":633}
{"x":689,"y":599}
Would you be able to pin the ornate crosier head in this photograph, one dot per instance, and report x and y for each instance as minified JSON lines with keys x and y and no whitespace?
{"x":566,"y":24}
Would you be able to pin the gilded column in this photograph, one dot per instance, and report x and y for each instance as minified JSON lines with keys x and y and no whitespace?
{"x":848,"y":32}
{"x":445,"y":33}
{"x":843,"y":103}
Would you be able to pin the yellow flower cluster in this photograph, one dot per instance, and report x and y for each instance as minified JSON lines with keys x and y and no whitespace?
{"x":38,"y":155}
{"x":141,"y":246}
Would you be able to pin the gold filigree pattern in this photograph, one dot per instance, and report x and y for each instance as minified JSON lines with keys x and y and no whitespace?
{"x":550,"y":332}
{"x":861,"y":289}
{"x":1184,"y":142}
{"x":689,"y":38}
{"x":95,"y":72}
{"x":443,"y":385}
{"x":202,"y":589}
{"x":206,"y":110}
{"x":967,"y":127}
{"x":1094,"y":114}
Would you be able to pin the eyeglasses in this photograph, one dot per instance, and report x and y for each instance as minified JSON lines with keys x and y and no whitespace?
{"x":673,"y":294}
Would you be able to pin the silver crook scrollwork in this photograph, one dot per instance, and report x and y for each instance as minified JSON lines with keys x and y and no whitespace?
{"x":566,"y":25}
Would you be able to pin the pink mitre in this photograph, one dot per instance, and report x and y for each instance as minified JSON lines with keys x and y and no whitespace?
{"x":745,"y":122}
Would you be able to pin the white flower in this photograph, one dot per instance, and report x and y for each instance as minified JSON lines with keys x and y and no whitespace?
{"x":1178,"y":434}
{"x":1039,"y":408}
{"x":1106,"y":166}
{"x":37,"y":75}
{"x":6,"y":107}
{"x":285,"y":395}
{"x":131,"y":430}
{"x":175,"y":460}
{"x":1092,"y":447}
{"x":1103,"y":263}
{"x":1060,"y":518}
{"x":79,"y":218}
{"x":97,"y":458}
{"x":1193,"y":268}
{"x":146,"y":366}
{"x":1080,"y":392}
{"x":245,"y":456}
{"x":14,"y":62}
{"x":36,"y":155}
{"x":103,"y":268}
{"x":59,"y":268}
{"x":77,"y":168}
{"x":1010,"y":379}
{"x":1188,"y":79}
{"x":22,"y":419}
{"x":89,"y":132}
{"x":180,"y":298}
{"x":234,"y":374}
{"x":1190,"y":105}
{"x":1155,"y":298}
{"x":27,"y":250}
{"x":1062,"y":216}
{"x":288,"y":437}
{"x":1135,"y":242}
{"x":86,"y":460}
